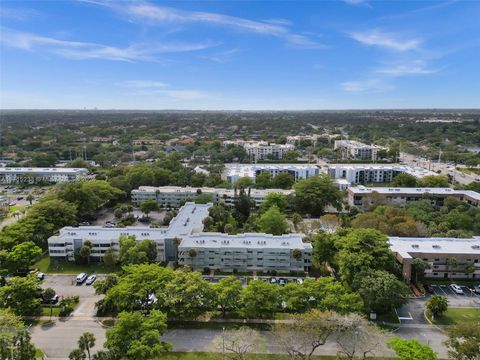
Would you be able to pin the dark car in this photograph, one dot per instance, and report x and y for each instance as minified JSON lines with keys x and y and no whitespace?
{"x":428,"y":288}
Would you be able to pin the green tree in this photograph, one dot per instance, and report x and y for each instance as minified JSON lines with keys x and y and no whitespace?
{"x":296,"y":220}
{"x":30,"y":198}
{"x":464,"y":341}
{"x":411,"y":349}
{"x":103,"y":285}
{"x":263,"y":180}
{"x":381,"y":291}
{"x":291,"y":155}
{"x":47,"y":295}
{"x":260,"y":300}
{"x":283,"y":180}
{"x":110,"y":257}
{"x":136,"y":252}
{"x":22,"y":255}
{"x":433,"y":181}
{"x":361,"y":250}
{"x":23,"y":349}
{"x":137,"y":337}
{"x":148,"y":206}
{"x":404,"y":180}
{"x":312,"y":195}
{"x":437,"y":305}
{"x":273,"y":222}
{"x":86,"y":342}
{"x":56,"y":212}
{"x":244,"y":182}
{"x":77,"y":354}
{"x":21,"y":295}
{"x":227,"y":292}
{"x":82,"y":254}
{"x":274,"y":199}
{"x":419,"y":267}
{"x":451,"y":263}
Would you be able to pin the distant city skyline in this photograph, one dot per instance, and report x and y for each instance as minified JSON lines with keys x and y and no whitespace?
{"x":231,"y":55}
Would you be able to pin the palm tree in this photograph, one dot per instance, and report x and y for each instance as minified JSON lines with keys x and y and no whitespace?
{"x":86,"y":342}
{"x":451,"y":262}
{"x":30,"y":198}
{"x":419,"y":266}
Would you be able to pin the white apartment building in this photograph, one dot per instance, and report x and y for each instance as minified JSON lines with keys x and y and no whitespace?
{"x":356,"y":150}
{"x":371,"y":173}
{"x":366,"y":197}
{"x":189,"y":220}
{"x":12,"y":175}
{"x":436,"y":251}
{"x":176,"y":196}
{"x":245,"y":252}
{"x":233,"y":172}
{"x":262,"y":150}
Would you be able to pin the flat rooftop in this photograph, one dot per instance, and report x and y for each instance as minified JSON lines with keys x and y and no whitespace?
{"x":189,"y":220}
{"x":356,"y":144}
{"x":405,"y":246}
{"x":415,"y":171}
{"x":413,"y":191}
{"x":250,"y":240}
{"x":32,"y":170}
{"x":250,"y":169}
{"x":221,"y":191}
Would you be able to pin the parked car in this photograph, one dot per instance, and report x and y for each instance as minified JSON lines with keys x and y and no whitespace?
{"x":109,"y":225}
{"x":299,"y":281}
{"x":91,"y":279}
{"x":456,"y":289}
{"x":13,"y":203}
{"x":273,"y":280}
{"x":476,"y":289}
{"x":20,"y":198}
{"x":53,"y":300}
{"x":428,"y":288}
{"x":40,"y":276}
{"x":282,"y":282}
{"x":84,"y":223}
{"x":81,"y":278}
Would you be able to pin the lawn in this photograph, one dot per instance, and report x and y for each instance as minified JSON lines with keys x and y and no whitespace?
{"x":44,"y":265}
{"x":456,"y":315}
{"x":46,"y":310}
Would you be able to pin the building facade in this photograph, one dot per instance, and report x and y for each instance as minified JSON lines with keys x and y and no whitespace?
{"x":262,"y":150}
{"x":356,"y":150}
{"x":14,"y":175}
{"x":233,"y":172}
{"x":448,"y":258}
{"x":176,"y":196}
{"x":366,"y":197}
{"x":245,"y":252}
{"x":372,"y":173}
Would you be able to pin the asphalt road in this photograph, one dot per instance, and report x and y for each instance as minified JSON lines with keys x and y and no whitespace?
{"x":444,"y":168}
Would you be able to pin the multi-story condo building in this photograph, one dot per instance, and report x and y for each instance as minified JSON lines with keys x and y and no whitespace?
{"x":439,"y":254}
{"x":294,"y":140}
{"x":176,"y":196}
{"x":12,"y":175}
{"x":261,"y":150}
{"x":189,"y":220}
{"x":356,"y":150}
{"x":245,"y":252}
{"x":366,"y":197}
{"x":372,"y":173}
{"x":233,"y":172}
{"x":147,"y":142}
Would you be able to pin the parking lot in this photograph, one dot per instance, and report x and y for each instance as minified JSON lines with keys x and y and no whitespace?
{"x":65,"y":285}
{"x":467,"y":299}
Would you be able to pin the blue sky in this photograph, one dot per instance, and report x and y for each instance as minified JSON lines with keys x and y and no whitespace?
{"x":239,"y":54}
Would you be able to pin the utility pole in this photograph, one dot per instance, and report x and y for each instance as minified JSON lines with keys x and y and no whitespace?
{"x":223,"y":343}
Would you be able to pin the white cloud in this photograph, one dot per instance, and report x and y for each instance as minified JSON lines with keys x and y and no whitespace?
{"x":221,"y":57}
{"x":367,"y":85}
{"x":386,"y":40}
{"x":139,"y":84}
{"x":18,"y":14}
{"x":156,"y":14}
{"x":86,"y":50}
{"x":415,"y":68}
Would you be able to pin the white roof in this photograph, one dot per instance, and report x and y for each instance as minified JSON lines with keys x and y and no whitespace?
{"x":355,"y":144}
{"x":413,"y":191}
{"x":406,"y":246}
{"x":188,"y":220}
{"x":415,"y":171}
{"x":250,"y":169}
{"x":208,"y":190}
{"x":35,"y":170}
{"x":247,"y":240}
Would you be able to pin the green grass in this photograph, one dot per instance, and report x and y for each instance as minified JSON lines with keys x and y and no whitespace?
{"x":46,"y":310}
{"x":455,"y":315}
{"x":44,"y":265}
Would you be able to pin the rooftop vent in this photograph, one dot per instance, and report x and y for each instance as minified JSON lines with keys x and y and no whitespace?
{"x":436,"y":246}
{"x":415,"y":246}
{"x":476,"y":247}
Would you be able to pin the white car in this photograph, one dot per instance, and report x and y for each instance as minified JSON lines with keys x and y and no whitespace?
{"x":40,"y":276}
{"x":456,"y":289}
{"x":91,"y":279}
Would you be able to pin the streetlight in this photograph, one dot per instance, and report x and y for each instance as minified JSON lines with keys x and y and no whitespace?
{"x":223,"y":343}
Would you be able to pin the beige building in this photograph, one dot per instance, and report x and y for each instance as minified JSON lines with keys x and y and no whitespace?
{"x":450,"y":258}
{"x":367,"y":197}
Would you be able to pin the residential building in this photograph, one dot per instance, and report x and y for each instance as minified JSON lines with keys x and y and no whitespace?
{"x":189,"y":220}
{"x":11,"y":175}
{"x":366,"y":197}
{"x":373,"y":173}
{"x":148,"y":142}
{"x":245,"y":252}
{"x":356,"y":150}
{"x":176,"y":196}
{"x":450,"y":258}
{"x":262,"y":150}
{"x":233,"y":172}
{"x":294,"y":140}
